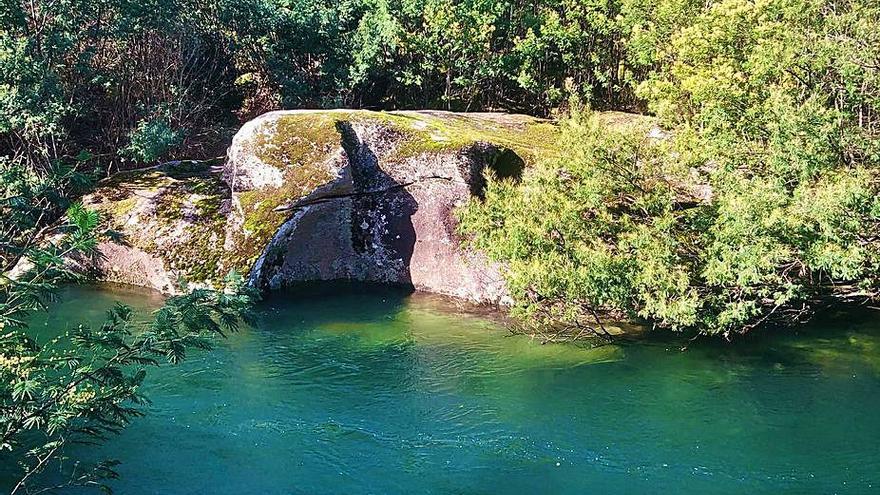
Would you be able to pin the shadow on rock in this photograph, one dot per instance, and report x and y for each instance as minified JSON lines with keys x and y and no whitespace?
{"x":382,"y":231}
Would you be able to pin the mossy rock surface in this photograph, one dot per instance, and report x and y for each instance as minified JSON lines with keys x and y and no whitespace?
{"x":203,"y":219}
{"x":282,"y":157}
{"x":178,"y":219}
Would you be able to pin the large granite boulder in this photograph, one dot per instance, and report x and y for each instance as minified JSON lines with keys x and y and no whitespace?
{"x":321,"y":195}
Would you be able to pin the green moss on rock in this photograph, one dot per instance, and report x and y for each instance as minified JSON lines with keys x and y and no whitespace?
{"x":298,"y":146}
{"x":176,"y":219}
{"x":297,"y":140}
{"x":444,"y":132}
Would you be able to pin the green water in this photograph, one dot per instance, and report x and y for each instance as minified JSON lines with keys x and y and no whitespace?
{"x":367,"y":390}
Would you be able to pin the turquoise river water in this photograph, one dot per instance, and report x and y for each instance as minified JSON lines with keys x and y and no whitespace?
{"x":359,"y":390}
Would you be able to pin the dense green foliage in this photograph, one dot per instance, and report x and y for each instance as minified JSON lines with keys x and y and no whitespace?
{"x":762,"y":203}
{"x":120,"y":83}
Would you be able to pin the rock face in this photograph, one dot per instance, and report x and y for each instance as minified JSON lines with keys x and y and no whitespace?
{"x":381,"y":219}
{"x":321,"y":195}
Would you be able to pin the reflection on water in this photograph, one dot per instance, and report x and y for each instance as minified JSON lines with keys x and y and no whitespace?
{"x":366,"y":390}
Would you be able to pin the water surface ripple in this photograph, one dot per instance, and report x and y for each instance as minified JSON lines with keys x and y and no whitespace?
{"x":376,"y":392}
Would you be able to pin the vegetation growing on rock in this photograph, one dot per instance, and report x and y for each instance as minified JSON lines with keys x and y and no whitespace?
{"x":179,"y":217}
{"x":445,"y":132}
